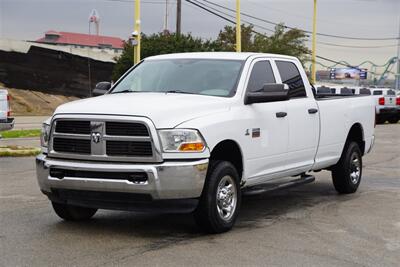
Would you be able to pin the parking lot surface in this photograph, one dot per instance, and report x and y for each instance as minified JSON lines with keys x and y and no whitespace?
{"x":309,"y":225}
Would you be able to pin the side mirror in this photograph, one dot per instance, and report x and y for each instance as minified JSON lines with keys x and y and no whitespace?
{"x":101,"y":88}
{"x":271,"y":92}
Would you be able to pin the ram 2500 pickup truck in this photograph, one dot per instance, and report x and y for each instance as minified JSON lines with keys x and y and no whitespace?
{"x":6,"y":122}
{"x":194,"y":132}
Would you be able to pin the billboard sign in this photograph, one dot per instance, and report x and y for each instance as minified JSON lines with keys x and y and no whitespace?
{"x":348,"y":73}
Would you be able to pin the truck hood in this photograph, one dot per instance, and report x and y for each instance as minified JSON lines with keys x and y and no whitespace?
{"x":165,"y":110}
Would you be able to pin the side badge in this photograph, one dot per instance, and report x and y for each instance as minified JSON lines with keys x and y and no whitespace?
{"x":256,"y":132}
{"x":247,"y":132}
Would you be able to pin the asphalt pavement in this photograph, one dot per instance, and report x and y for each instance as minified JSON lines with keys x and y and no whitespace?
{"x":309,"y":225}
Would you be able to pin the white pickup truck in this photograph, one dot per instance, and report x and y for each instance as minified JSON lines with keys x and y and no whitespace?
{"x":6,"y":123}
{"x":193,"y":132}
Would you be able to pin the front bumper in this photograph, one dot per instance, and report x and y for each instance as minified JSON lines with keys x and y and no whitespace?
{"x":170,"y":180}
{"x":7,"y":125}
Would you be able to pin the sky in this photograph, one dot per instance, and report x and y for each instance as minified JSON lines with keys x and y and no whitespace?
{"x":29,"y":19}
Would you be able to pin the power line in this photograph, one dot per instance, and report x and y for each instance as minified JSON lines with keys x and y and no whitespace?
{"x":233,"y":22}
{"x":320,"y":34}
{"x":270,"y":30}
{"x":232,"y":16}
{"x":356,"y":46}
{"x":142,"y":1}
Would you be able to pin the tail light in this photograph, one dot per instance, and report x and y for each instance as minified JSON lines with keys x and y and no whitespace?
{"x":381,"y":101}
{"x":398,"y":101}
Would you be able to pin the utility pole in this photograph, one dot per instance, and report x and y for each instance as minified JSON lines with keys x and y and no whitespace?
{"x":397,"y":85}
{"x":136,"y":48}
{"x":178,"y":17}
{"x":314,"y":45}
{"x":166,"y":17}
{"x":238,"y":28}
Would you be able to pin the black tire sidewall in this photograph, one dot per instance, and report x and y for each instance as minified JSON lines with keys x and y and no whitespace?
{"x":341,"y":172}
{"x":207,"y":210}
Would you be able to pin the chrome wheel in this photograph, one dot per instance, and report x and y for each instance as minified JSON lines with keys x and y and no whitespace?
{"x":226,"y":198}
{"x":355,"y":168}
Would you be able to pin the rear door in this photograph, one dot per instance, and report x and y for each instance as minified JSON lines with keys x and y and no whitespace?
{"x":303,"y":118}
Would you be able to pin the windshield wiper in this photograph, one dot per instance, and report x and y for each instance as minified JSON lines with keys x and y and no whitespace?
{"x":124,"y":91}
{"x":177,"y":92}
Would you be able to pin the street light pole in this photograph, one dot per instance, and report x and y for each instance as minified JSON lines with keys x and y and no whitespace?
{"x":136,"y":48}
{"x":314,"y":45}
{"x":238,"y":28}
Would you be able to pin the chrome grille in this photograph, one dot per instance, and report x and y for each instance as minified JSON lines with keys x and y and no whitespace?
{"x":107,"y":138}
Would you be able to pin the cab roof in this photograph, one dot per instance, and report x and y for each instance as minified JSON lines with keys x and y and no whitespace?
{"x":217,"y":55}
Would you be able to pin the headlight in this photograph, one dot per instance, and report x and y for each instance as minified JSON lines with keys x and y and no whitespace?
{"x":44,"y":137}
{"x":181,"y":140}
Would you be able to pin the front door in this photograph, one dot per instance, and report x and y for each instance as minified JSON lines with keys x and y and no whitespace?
{"x":267,"y":137}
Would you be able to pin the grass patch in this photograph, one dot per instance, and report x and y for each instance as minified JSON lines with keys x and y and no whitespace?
{"x":21,"y":133}
{"x":18,"y":151}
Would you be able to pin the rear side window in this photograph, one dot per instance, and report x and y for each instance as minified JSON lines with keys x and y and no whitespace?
{"x":291,"y":76}
{"x":378,"y":92}
{"x":260,"y":74}
{"x":390,"y":92}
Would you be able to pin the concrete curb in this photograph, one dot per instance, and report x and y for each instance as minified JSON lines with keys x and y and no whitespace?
{"x":18,"y":151}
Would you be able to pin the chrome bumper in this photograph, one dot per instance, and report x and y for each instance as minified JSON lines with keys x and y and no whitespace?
{"x":167,"y":180}
{"x":7,"y":125}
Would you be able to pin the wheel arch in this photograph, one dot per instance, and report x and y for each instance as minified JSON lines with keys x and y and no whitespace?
{"x":229,"y":150}
{"x":356,"y":134}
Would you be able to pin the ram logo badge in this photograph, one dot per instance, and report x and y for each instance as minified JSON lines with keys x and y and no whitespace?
{"x":96,"y":137}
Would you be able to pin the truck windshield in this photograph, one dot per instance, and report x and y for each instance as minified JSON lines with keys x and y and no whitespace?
{"x":187,"y":76}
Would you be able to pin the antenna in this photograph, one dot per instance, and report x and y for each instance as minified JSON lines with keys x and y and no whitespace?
{"x":94,"y":17}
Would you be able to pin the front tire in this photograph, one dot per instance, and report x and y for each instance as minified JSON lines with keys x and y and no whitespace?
{"x":221,"y":198}
{"x":346,"y":174}
{"x":73,"y":213}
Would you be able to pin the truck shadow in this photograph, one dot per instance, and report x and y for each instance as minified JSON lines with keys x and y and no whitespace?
{"x":256,"y":211}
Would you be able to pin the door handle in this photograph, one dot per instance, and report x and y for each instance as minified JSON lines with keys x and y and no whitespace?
{"x":281,"y":114}
{"x":312,"y":110}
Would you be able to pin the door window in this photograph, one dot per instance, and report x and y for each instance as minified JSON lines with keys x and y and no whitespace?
{"x":260,"y":74}
{"x":291,"y":76}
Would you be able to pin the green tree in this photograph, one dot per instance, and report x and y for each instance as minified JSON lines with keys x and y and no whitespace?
{"x":290,"y":42}
{"x":160,"y":43}
{"x":226,"y":40}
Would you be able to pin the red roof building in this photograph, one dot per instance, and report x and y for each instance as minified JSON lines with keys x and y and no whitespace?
{"x":81,"y":39}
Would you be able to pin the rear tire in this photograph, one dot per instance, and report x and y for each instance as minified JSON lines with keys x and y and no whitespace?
{"x":220,"y":200}
{"x":346,"y":174}
{"x":393,"y":120}
{"x":73,"y":213}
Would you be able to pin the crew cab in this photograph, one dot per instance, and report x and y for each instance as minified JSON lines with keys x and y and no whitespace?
{"x":193,"y":132}
{"x":6,"y":122}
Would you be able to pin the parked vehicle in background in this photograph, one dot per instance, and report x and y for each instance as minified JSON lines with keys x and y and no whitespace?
{"x":398,"y":105}
{"x":193,"y":132}
{"x":6,"y":123}
{"x":386,"y":105}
